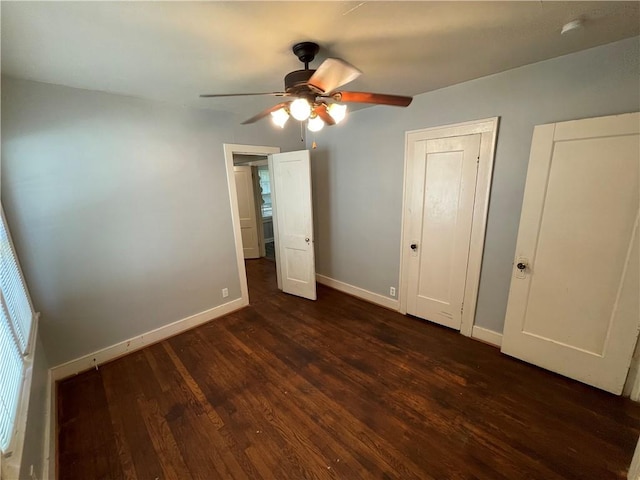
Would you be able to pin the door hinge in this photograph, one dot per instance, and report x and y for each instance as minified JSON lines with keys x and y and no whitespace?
{"x":461,"y":308}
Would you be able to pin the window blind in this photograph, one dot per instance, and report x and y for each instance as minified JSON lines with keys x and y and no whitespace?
{"x":13,"y":290}
{"x":16,"y":318}
{"x":11,"y":374}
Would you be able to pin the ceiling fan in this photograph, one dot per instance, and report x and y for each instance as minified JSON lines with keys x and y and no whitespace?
{"x":312,"y":93}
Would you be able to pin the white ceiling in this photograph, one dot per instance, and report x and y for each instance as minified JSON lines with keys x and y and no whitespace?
{"x":173,"y":51}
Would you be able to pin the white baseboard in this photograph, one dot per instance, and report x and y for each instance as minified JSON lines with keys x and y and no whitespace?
{"x":359,"y":292}
{"x":486,"y":335}
{"x":107,"y":354}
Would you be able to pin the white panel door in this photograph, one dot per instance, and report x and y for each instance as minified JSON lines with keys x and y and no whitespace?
{"x":247,"y":210}
{"x":443,"y":172}
{"x":293,"y":223}
{"x":574,"y":299}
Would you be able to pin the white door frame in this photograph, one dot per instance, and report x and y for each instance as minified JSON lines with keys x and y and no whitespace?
{"x":488,"y":129}
{"x":634,"y":468}
{"x":229,"y":150}
{"x":257,"y":198}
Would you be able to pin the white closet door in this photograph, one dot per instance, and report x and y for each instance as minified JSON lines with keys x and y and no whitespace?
{"x":444,"y":172}
{"x":575,"y":293}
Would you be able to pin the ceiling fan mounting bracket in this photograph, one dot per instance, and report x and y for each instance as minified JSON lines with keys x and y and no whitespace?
{"x":306,"y":52}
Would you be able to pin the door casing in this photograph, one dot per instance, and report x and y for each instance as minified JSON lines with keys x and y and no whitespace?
{"x":488,"y":129}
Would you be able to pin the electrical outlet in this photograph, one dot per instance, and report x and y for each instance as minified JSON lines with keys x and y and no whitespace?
{"x":392,"y":291}
{"x":225,"y":292}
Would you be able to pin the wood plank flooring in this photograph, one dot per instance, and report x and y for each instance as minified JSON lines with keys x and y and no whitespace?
{"x":334,"y":389}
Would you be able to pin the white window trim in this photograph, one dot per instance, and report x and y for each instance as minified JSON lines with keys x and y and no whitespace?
{"x":11,"y":459}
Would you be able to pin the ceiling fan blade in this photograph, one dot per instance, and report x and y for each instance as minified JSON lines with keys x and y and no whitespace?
{"x":332,"y":73}
{"x":323,"y":113}
{"x":214,"y":95}
{"x":266,"y":112}
{"x":376,"y":98}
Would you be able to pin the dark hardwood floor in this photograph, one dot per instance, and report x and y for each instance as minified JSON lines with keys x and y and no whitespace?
{"x":337,"y":389}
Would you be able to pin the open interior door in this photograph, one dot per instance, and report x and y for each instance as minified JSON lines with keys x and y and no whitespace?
{"x":247,"y":210}
{"x":293,"y":222}
{"x":574,"y":303}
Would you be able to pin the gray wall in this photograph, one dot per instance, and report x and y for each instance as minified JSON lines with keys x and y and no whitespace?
{"x":119,"y":210}
{"x":358,"y":167}
{"x":119,"y":207}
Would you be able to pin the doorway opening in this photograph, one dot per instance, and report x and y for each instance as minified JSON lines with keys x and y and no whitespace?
{"x":249,"y":222}
{"x":288,"y":199}
{"x":253,"y":187}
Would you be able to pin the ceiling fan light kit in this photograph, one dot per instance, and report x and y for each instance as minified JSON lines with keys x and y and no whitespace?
{"x":313,"y":94}
{"x":315,"y":124}
{"x":337,"y":111}
{"x":300,"y":109}
{"x":280,"y":117}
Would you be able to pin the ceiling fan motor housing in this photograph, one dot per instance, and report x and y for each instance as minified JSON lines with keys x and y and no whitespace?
{"x":297,"y":80}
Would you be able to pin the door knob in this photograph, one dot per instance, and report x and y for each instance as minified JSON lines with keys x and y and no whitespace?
{"x":306,"y":239}
{"x":414,"y":246}
{"x":522,"y":268}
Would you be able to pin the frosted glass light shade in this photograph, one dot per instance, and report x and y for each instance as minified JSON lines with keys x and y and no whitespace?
{"x":315,"y":124}
{"x":300,"y":109}
{"x":337,"y":111}
{"x":280,"y":117}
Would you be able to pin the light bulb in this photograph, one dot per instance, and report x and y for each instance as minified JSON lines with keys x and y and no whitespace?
{"x":300,"y":109}
{"x":280,"y":117}
{"x":337,"y":111}
{"x":315,"y":124}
